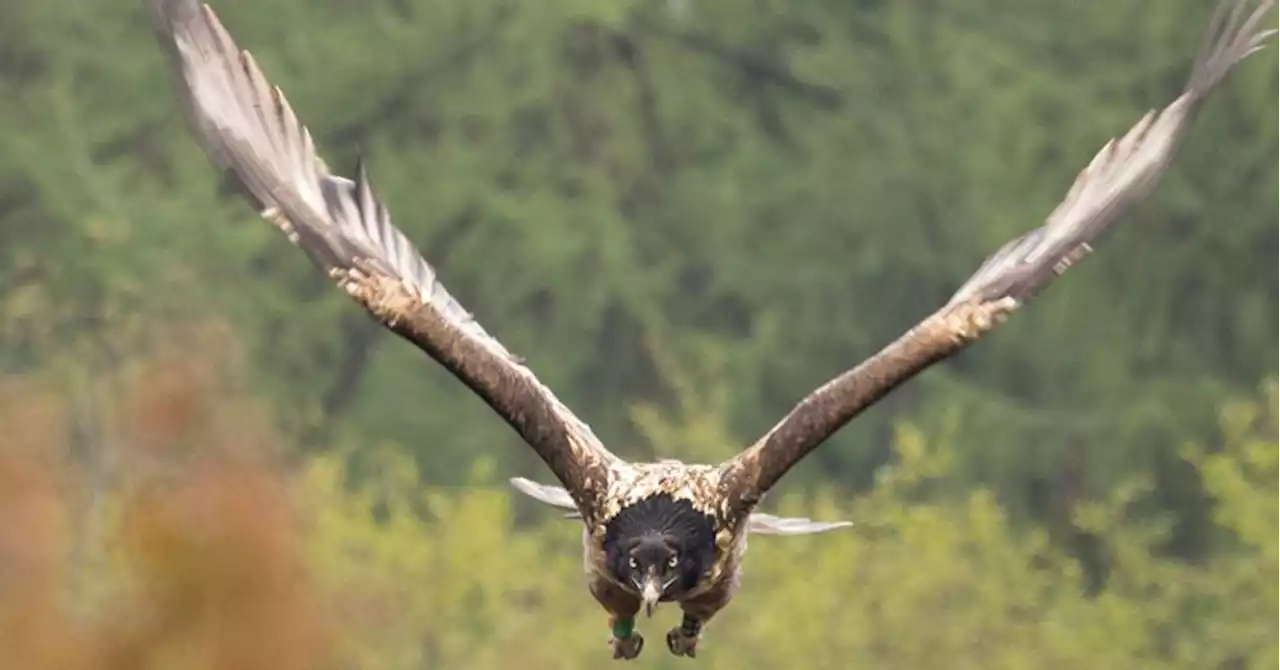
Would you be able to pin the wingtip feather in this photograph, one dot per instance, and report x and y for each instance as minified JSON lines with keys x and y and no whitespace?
{"x":247,"y":125}
{"x":1227,"y":42}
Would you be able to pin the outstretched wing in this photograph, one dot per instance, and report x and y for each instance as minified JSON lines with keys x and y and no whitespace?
{"x":247,"y":128}
{"x":758,"y":523}
{"x":1122,"y":173}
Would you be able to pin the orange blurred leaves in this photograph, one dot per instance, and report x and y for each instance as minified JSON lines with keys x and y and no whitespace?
{"x":178,"y":472}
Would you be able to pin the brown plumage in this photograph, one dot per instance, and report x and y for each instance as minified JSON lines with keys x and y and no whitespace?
{"x":663,"y":531}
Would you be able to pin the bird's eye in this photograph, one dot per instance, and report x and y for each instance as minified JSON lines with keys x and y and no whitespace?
{"x":633,"y":563}
{"x":673,"y":562}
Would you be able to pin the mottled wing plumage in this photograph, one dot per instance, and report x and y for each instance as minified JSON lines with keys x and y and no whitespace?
{"x":1122,"y":173}
{"x":632,"y":482}
{"x":247,"y":128}
{"x":758,"y":522}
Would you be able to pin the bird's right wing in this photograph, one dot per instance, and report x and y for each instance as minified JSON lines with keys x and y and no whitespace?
{"x":1122,"y":173}
{"x":246,"y":127}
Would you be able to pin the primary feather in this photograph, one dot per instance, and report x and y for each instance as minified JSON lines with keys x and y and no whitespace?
{"x":247,"y":127}
{"x":1122,"y":173}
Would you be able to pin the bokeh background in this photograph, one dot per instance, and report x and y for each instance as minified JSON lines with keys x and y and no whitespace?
{"x":685,"y":214}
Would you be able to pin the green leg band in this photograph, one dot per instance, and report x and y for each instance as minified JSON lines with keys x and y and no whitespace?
{"x":622,"y":628}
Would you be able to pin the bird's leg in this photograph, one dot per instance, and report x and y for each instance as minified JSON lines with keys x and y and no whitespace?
{"x":626,"y":642}
{"x":622,"y":608}
{"x":683,"y":639}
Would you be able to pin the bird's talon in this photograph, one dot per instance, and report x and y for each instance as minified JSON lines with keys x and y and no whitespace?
{"x":681,"y":643}
{"x":627,"y":648}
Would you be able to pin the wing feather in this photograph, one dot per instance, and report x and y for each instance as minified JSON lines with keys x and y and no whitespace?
{"x":759,"y":523}
{"x":1122,"y":173}
{"x":551,"y":495}
{"x":248,"y":128}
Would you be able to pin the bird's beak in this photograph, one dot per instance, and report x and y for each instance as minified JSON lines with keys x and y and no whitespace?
{"x":650,"y":593}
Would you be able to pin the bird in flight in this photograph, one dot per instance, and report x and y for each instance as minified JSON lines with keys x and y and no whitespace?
{"x":664,"y":531}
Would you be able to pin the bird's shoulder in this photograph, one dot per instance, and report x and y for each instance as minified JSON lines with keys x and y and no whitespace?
{"x":630,"y":483}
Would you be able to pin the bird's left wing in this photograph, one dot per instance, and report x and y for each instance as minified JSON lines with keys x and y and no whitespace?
{"x":1122,"y":173}
{"x":247,"y":127}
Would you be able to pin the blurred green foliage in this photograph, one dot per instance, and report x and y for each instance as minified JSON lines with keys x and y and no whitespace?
{"x":207,"y":552}
{"x":686,"y":215}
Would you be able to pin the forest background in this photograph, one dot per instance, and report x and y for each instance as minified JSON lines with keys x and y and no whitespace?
{"x":685,"y":215}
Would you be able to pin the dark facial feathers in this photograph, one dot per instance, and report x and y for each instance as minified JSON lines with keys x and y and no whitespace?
{"x":648,"y":534}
